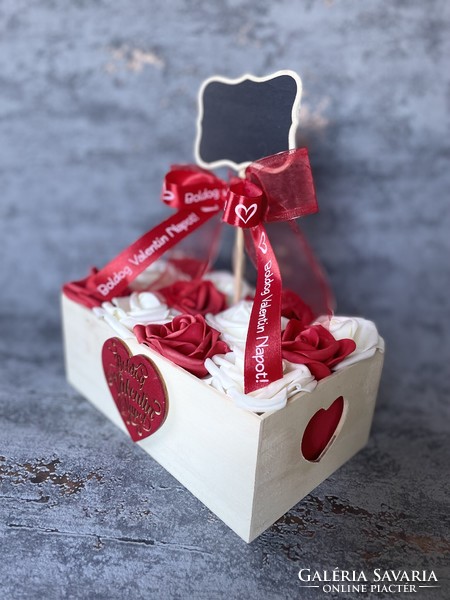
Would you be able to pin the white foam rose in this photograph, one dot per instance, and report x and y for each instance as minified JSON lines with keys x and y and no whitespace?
{"x":227,"y":376}
{"x":141,"y":308}
{"x":233,"y":323}
{"x":225,"y":283}
{"x":362,"y":331}
{"x":158,"y":275}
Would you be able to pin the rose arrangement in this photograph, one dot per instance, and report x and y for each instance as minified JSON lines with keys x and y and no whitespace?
{"x":191,"y":323}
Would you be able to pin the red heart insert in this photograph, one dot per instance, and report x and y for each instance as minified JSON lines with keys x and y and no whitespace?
{"x":320,"y":429}
{"x":136,"y":387}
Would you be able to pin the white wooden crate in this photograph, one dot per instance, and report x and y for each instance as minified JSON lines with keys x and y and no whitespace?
{"x":247,"y":468}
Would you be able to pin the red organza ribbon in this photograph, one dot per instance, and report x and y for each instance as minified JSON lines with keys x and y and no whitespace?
{"x":197,"y":195}
{"x":275,"y":189}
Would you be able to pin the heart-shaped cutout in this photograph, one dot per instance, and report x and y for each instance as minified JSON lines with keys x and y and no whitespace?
{"x":322,"y":430}
{"x":249,"y":212}
{"x":136,"y":387}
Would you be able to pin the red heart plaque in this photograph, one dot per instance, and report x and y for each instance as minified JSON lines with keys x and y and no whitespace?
{"x":136,"y":387}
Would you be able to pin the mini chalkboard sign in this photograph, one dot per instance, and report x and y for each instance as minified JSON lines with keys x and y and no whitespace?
{"x":242,"y":120}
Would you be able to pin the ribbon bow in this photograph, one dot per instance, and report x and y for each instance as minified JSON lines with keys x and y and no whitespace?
{"x":276,"y":188}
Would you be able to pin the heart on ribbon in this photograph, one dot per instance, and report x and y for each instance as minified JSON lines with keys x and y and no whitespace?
{"x":262,"y":243}
{"x":136,"y":387}
{"x":167,"y":196}
{"x":249,"y":212}
{"x":322,"y":430}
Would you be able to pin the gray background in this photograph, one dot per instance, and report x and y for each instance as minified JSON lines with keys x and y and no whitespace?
{"x":97,"y":98}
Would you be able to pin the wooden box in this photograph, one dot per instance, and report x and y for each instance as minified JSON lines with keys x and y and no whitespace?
{"x":247,"y":468}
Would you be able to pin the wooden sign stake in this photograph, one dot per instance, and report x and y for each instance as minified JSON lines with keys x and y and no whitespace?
{"x":238,"y":263}
{"x":242,"y":120}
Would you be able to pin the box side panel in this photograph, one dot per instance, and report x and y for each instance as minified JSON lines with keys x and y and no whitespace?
{"x":284,"y":476}
{"x":206,"y":443}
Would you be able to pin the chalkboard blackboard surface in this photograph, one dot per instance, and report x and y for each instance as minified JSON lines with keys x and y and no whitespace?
{"x":242,"y":120}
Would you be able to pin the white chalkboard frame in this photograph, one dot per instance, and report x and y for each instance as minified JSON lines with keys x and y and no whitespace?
{"x":239,"y":167}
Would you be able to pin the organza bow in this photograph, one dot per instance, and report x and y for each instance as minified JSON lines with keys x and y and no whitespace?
{"x":277,"y":188}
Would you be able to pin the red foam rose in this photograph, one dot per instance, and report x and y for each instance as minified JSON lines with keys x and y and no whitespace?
{"x":187,"y":341}
{"x":196,"y":297}
{"x":314,"y":347}
{"x":293,"y":307}
{"x":84,"y":291}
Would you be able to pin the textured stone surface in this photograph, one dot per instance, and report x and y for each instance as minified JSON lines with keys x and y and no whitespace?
{"x":97,"y":98}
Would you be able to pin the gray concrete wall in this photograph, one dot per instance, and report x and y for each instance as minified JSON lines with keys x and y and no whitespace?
{"x":98,"y":98}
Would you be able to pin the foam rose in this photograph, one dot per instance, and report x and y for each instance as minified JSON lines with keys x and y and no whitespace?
{"x":233,"y":323}
{"x":227,"y":376}
{"x":314,"y":347}
{"x":225,"y":283}
{"x":362,"y":331}
{"x":187,"y":341}
{"x":85,"y":292}
{"x":196,"y":297}
{"x":123,"y":314}
{"x":159,"y":274}
{"x":293,"y":307}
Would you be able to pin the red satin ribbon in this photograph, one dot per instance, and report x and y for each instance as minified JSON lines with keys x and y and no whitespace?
{"x":197,"y":195}
{"x":263,"y":362}
{"x":275,"y":188}
{"x":189,"y":185}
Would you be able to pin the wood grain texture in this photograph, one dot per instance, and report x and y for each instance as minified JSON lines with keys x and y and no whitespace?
{"x":247,"y":468}
{"x":283,"y":474}
{"x":208,"y":444}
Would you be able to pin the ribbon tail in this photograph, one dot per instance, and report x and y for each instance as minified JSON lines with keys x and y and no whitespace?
{"x":195,"y":255}
{"x":302,"y":273}
{"x":263,"y":361}
{"x":116,"y":276}
{"x":315,"y":289}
